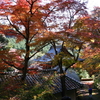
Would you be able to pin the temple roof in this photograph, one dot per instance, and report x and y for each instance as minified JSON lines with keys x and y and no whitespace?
{"x":32,"y":80}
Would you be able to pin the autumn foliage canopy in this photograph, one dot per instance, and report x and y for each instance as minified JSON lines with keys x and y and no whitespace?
{"x":42,"y":23}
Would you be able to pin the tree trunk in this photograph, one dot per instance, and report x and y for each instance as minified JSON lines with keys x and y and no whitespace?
{"x":24,"y":71}
{"x":25,"y":68}
{"x":63,"y":85}
{"x":62,"y":78}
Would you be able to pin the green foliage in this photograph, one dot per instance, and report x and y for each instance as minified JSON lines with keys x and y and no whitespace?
{"x":12,"y":89}
{"x":97,"y":81}
{"x":38,"y":91}
{"x":35,"y":93}
{"x":13,"y":44}
{"x":3,"y":39}
{"x":92,"y":64}
{"x":66,"y":59}
{"x":83,"y":73}
{"x":9,"y":69}
{"x":21,"y":45}
{"x":46,"y":49}
{"x":8,"y":88}
{"x":3,"y":42}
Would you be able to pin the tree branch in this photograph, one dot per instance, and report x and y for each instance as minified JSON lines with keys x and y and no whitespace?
{"x":12,"y":65}
{"x":38,"y":51}
{"x":15,"y":28}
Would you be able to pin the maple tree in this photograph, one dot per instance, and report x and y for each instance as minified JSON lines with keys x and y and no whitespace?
{"x":91,"y":62}
{"x":42,"y":24}
{"x":90,"y":27}
{"x":89,"y":30}
{"x":71,"y":43}
{"x":95,"y":13}
{"x":26,"y":21}
{"x":30,"y":20}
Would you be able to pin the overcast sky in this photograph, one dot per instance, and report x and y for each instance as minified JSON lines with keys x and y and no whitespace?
{"x":92,"y":3}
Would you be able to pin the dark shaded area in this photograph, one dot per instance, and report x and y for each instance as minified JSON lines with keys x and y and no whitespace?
{"x":84,"y":95}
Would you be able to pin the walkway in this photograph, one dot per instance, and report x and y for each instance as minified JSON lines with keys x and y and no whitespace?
{"x":84,"y":95}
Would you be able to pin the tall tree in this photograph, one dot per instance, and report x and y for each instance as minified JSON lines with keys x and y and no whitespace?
{"x":61,"y":23}
{"x":27,"y":19}
{"x":40,"y":24}
{"x":89,"y":30}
